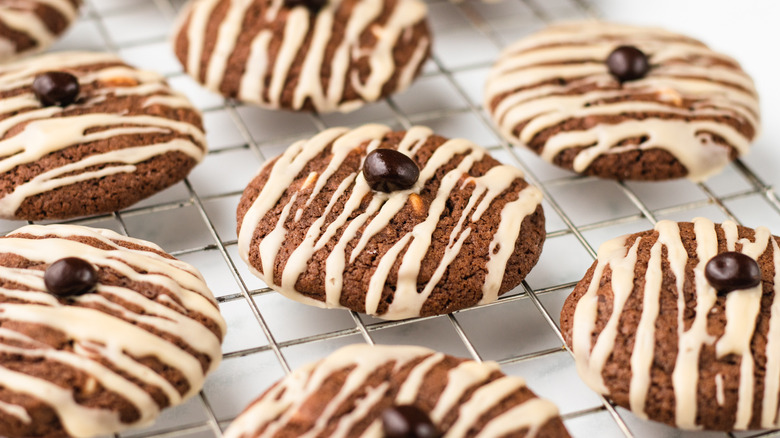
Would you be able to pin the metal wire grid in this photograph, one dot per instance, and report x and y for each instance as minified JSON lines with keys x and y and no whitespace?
{"x":202,"y":417}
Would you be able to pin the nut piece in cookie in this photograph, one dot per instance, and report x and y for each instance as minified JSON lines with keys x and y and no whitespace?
{"x":84,"y":133}
{"x":304,"y":55}
{"x":679,"y":324}
{"x":98,"y":332}
{"x":438,"y":227}
{"x":623,"y":102}
{"x":419,"y":390}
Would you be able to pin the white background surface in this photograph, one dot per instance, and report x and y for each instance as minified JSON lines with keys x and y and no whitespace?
{"x":269,"y":335}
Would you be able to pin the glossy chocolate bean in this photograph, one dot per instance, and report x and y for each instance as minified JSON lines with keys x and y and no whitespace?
{"x":56,"y":88}
{"x":731,"y":271}
{"x":627,"y":63}
{"x":313,"y":5}
{"x":407,"y":421}
{"x":70,"y":276}
{"x":387,"y":170}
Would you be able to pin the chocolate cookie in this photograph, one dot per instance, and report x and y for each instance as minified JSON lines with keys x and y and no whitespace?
{"x":33,"y":25}
{"x":319,"y":225}
{"x":310,"y":55}
{"x":623,"y":102}
{"x":98,"y":332}
{"x":375,"y":391}
{"x":84,"y":133}
{"x":680,"y":325}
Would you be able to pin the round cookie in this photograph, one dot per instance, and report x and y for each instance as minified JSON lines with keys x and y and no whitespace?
{"x":346,"y":393}
{"x":126,"y":137}
{"x":110,"y":357}
{"x":33,"y":25}
{"x":689,"y":115}
{"x":312,"y":228}
{"x":649,"y":329}
{"x":275,"y":55}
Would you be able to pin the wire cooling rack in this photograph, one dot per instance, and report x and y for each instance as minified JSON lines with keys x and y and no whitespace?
{"x":270,"y":335}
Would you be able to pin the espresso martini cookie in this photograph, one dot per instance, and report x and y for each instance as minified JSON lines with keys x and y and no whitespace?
{"x":398,"y":391}
{"x":623,"y":102}
{"x":98,"y":332}
{"x":33,"y":25}
{"x":680,"y":325}
{"x":393,"y":224}
{"x":83,"y":133}
{"x":304,"y":55}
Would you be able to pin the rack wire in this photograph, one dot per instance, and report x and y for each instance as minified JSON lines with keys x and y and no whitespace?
{"x":269,"y":335}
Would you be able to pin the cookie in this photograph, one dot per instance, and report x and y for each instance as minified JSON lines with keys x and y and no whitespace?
{"x":98,"y":332}
{"x":623,"y":102}
{"x":313,"y":227}
{"x":679,"y":324}
{"x":352,"y":392}
{"x":84,"y":133}
{"x":304,"y":55}
{"x":33,"y":25}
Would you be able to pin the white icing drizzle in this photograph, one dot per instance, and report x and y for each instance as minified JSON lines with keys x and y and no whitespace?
{"x":769,"y":407}
{"x":78,"y":420}
{"x":99,"y":337}
{"x":297,"y":23}
{"x":720,"y":396}
{"x":644,"y":342}
{"x":741,"y":309}
{"x":19,"y":15}
{"x":16,"y":411}
{"x":81,"y":361}
{"x":407,"y":394}
{"x":282,"y":403}
{"x":347,"y":422}
{"x":531,"y":414}
{"x":577,"y":52}
{"x":459,"y":380}
{"x":685,"y":376}
{"x":198,"y":19}
{"x":47,"y":130}
{"x":228,"y":33}
{"x":409,"y":250}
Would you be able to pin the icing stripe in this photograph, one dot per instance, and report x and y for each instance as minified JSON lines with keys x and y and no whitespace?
{"x":685,"y":376}
{"x":742,"y":311}
{"x":358,"y":223}
{"x":559,"y":77}
{"x":294,"y":33}
{"x":644,"y":343}
{"x":52,"y":129}
{"x":131,"y":326}
{"x":289,"y":402}
{"x":20,"y":16}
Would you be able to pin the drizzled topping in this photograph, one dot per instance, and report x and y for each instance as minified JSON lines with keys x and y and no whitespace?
{"x":730,"y":271}
{"x":314,"y":60}
{"x":673,"y":260}
{"x":627,"y":63}
{"x":553,"y":92}
{"x":28,"y":29}
{"x":70,"y":276}
{"x":148,"y":334}
{"x":56,"y":88}
{"x":387,"y":170}
{"x":470,"y":395}
{"x":408,"y":421}
{"x":149,"y":120}
{"x":497,"y":190}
